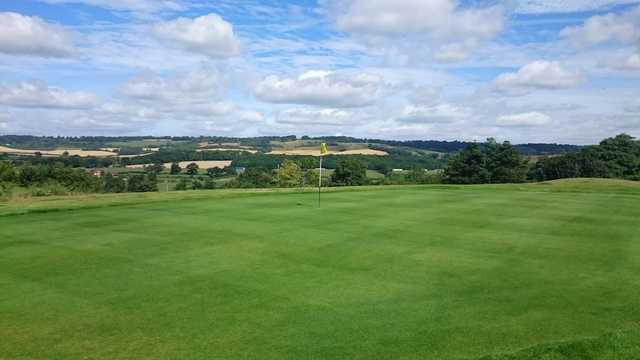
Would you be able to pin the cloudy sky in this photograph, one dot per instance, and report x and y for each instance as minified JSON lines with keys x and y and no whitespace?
{"x":527,"y":71}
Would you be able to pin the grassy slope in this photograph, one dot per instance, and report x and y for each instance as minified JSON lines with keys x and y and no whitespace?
{"x":508,"y":272}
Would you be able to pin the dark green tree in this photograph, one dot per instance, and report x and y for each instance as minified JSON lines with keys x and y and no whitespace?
{"x":175,"y":168}
{"x":182,"y":185}
{"x":349,"y":172}
{"x":192,"y":169}
{"x":142,"y":183}
{"x":7,"y":172}
{"x":468,"y":167}
{"x":253,"y":178}
{"x":114,"y":184}
{"x":155,"y":168}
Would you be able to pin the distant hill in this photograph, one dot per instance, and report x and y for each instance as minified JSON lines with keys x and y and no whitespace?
{"x":264,"y":144}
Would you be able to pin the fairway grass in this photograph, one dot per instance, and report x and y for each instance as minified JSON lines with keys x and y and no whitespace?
{"x":536,"y":271}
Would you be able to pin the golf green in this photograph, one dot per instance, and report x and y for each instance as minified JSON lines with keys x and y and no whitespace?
{"x":436,"y":272}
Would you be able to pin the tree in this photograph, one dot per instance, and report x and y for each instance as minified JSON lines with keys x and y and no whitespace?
{"x":289,"y":174}
{"x":310,"y":178}
{"x":349,"y":172}
{"x":181,"y":185}
{"x":417,"y":175}
{"x":209,"y":184}
{"x":468,"y":167}
{"x":504,"y":163}
{"x":114,"y":184}
{"x":192,"y":169}
{"x":175,"y":168}
{"x":142,"y":183}
{"x":491,"y":163}
{"x":617,"y":157}
{"x":28,"y":175}
{"x":155,"y":168}
{"x":7,"y":172}
{"x":253,"y":178}
{"x":197,"y":184}
{"x":216,"y":172}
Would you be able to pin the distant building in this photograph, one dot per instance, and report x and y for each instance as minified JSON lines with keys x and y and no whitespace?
{"x":239,"y":169}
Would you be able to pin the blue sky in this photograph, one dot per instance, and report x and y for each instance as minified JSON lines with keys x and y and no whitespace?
{"x":526,"y":71}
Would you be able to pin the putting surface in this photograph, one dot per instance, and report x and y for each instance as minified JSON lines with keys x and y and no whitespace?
{"x":509,"y":272}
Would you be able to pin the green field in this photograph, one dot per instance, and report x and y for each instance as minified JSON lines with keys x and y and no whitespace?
{"x":539,"y":271}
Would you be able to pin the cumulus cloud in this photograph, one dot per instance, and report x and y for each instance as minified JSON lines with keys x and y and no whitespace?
{"x":623,"y":28}
{"x":30,"y":35}
{"x":4,"y":121}
{"x":208,"y":35}
{"x":454,"y":31}
{"x":314,"y":116}
{"x":537,"y":75}
{"x":37,"y":94}
{"x":565,"y":6}
{"x":632,"y":107}
{"x":632,"y":62}
{"x":195,"y":86}
{"x":126,"y":5}
{"x":323,"y":88}
{"x":440,"y":113}
{"x":524,"y":119}
{"x":199,"y":92}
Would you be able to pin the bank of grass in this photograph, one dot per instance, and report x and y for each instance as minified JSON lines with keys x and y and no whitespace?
{"x":534,"y":271}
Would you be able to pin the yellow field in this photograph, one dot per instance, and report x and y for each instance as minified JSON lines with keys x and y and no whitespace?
{"x":58,"y":152}
{"x":183,"y":164}
{"x":316,"y":152}
{"x":228,"y":149}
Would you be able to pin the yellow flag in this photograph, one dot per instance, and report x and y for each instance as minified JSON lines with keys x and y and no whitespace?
{"x":323,"y":149}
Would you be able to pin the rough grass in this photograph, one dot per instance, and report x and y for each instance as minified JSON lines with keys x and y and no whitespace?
{"x":541,"y":271}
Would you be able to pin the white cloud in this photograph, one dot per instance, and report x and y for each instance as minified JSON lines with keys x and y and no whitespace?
{"x":314,"y":116}
{"x":630,"y":63}
{"x":4,"y":121}
{"x":209,"y":35}
{"x":452,"y":31}
{"x":30,"y":35}
{"x":525,"y":119}
{"x":633,"y":107}
{"x":537,"y":75}
{"x":624,"y":28}
{"x":198,"y":93}
{"x":441,"y":113}
{"x":200,"y":85}
{"x":126,"y":5}
{"x":323,"y":88}
{"x":440,"y":17}
{"x":565,"y":6}
{"x":36,"y":94}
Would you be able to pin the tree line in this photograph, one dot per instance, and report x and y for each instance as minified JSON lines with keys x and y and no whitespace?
{"x":489,"y":162}
{"x":617,"y":157}
{"x":43,"y":179}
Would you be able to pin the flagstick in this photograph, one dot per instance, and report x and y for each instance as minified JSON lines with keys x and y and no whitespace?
{"x":320,"y":181}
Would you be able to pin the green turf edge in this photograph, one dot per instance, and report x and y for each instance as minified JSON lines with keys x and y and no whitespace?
{"x":66,"y":203}
{"x":621,"y":344}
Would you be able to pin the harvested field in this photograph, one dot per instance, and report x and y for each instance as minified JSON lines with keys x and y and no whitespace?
{"x":183,"y":164}
{"x":57,"y":152}
{"x":228,"y":149}
{"x":316,"y":152}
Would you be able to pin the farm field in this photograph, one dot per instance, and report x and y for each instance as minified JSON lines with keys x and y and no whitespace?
{"x":58,"y":152}
{"x":316,"y":152}
{"x":536,"y":271}
{"x":207,"y":164}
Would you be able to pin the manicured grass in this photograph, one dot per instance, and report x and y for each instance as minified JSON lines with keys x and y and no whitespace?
{"x":541,"y":271}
